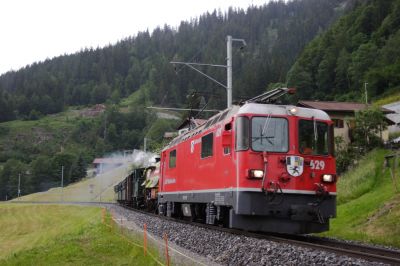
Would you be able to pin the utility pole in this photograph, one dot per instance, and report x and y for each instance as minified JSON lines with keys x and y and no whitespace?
{"x":145,"y":144}
{"x":19,"y":185}
{"x":105,"y":126}
{"x":228,"y":66}
{"x":229,"y":70}
{"x":62,"y":183}
{"x":366,"y":92}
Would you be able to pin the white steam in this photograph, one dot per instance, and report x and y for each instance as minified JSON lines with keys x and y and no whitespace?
{"x":121,"y":165}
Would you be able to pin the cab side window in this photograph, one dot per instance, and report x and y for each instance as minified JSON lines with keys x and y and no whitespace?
{"x":172,"y":159}
{"x":207,"y":145}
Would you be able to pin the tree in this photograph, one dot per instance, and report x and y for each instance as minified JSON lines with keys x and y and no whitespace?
{"x":65,"y":160}
{"x":342,"y":79}
{"x":301,"y":79}
{"x":100,"y":93}
{"x":362,"y":60}
{"x":112,"y":135}
{"x":9,"y":178}
{"x":6,"y":107}
{"x":78,"y":169}
{"x":369,"y":124}
{"x":42,"y":171}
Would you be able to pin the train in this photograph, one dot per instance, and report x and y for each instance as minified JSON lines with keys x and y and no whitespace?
{"x":257,"y":166}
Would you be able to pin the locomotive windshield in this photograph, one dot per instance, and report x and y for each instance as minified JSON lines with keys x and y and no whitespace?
{"x":313,"y":137}
{"x":269,"y":134}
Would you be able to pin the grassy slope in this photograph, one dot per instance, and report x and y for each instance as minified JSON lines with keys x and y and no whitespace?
{"x":100,"y":188}
{"x":395,"y":97}
{"x":368,"y":205}
{"x":28,"y":137}
{"x":56,"y":129}
{"x":62,"y":235}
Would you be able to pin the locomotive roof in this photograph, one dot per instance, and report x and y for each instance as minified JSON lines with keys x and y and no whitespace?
{"x":250,"y":108}
{"x":272,"y":109}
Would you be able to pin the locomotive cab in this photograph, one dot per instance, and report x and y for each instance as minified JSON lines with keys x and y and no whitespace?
{"x":286,"y":152}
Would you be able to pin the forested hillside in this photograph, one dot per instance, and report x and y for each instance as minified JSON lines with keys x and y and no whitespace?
{"x":362,"y":47}
{"x":275,"y":33}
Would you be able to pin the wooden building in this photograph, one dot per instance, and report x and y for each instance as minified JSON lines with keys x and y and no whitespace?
{"x":343,"y":114}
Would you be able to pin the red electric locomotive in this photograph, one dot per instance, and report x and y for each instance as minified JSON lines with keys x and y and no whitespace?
{"x":257,"y":166}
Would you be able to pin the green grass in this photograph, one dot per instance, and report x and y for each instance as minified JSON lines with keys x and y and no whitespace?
{"x":361,"y":179}
{"x":63,"y":119}
{"x":133,"y":99}
{"x":368,"y":208}
{"x":389,"y":99}
{"x":63,"y":235}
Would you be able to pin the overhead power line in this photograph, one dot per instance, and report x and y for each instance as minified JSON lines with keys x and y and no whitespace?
{"x":181,"y":109}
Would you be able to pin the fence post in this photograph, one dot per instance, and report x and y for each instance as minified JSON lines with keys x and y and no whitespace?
{"x":111,"y":220}
{"x":144,"y":239}
{"x":392,"y":168}
{"x":166,"y":248}
{"x":395,"y":163}
{"x":103,"y":215}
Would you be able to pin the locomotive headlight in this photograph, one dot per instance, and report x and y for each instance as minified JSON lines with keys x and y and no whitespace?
{"x":328,"y":178}
{"x":256,"y":173}
{"x":292,"y":110}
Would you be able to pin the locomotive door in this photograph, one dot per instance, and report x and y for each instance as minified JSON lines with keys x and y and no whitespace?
{"x":162,"y":171}
{"x":226,"y":154}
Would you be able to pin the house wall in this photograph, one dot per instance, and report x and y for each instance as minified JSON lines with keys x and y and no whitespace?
{"x":347,"y":119}
{"x":344,"y":131}
{"x":385,"y":135}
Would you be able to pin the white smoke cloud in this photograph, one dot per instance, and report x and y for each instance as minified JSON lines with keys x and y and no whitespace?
{"x":112,"y":174}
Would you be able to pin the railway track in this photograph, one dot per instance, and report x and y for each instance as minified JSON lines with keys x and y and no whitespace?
{"x":369,"y":253}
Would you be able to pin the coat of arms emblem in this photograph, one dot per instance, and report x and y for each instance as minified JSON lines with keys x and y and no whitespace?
{"x":294,"y":165}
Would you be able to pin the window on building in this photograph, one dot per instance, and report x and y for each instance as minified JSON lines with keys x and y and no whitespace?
{"x":172,"y":159}
{"x":339,"y":123}
{"x":207,"y":145}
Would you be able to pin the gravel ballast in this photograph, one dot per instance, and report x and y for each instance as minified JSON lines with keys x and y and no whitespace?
{"x":229,"y":249}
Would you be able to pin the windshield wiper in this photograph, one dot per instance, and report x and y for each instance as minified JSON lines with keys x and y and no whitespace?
{"x":264,"y":137}
{"x":266,"y":124}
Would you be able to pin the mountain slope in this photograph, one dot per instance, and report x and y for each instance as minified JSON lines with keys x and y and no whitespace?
{"x":361,"y":47}
{"x":36,"y":150}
